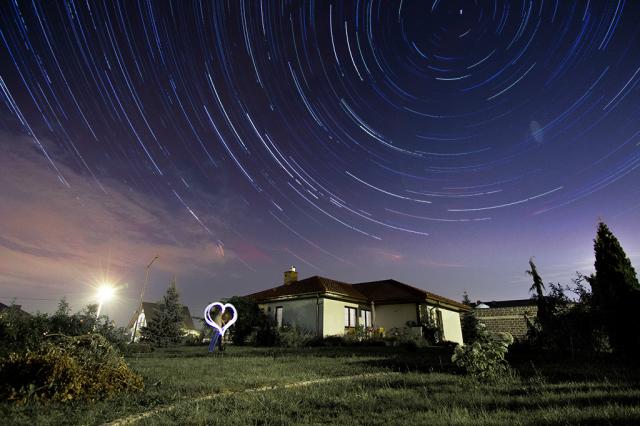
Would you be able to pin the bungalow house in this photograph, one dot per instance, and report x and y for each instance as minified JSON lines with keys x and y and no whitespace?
{"x":148,"y":310}
{"x":328,"y":307}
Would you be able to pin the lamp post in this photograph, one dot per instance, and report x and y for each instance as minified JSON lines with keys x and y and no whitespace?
{"x":105,"y":293}
{"x":144,"y":287}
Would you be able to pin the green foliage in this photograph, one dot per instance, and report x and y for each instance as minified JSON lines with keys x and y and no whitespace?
{"x":66,"y":368}
{"x":616,"y":292}
{"x":469,"y":322}
{"x":193,"y":340}
{"x":538,"y":286}
{"x":564,"y":326}
{"x":250,"y":320}
{"x":266,"y":333}
{"x":20,"y":332}
{"x":164,"y":327}
{"x":484,"y":359}
{"x":293,"y":337}
{"x":137,"y":348}
{"x":359,"y":334}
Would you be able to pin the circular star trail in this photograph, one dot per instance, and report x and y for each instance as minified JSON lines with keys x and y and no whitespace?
{"x":384,"y":120}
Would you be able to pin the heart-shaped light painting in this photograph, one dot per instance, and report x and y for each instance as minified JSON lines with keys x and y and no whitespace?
{"x":223,"y":308}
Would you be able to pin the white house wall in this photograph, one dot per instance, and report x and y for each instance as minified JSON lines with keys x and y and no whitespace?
{"x":296,"y":313}
{"x":333,"y":318}
{"x":451,"y":325}
{"x":302,"y":314}
{"x":394,"y":316}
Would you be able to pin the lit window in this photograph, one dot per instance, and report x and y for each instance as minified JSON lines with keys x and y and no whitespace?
{"x":349,"y":316}
{"x":365,"y":318}
{"x":279,"y":316}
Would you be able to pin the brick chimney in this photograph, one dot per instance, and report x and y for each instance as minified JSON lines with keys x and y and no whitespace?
{"x":290,"y":275}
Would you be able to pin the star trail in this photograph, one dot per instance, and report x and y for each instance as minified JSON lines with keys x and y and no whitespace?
{"x":438,"y":142}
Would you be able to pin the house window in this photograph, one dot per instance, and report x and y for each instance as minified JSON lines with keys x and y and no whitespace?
{"x":365,"y":318}
{"x":349,"y":316}
{"x":279,"y":316}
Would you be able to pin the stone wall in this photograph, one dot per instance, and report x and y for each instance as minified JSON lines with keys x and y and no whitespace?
{"x":507,"y":319}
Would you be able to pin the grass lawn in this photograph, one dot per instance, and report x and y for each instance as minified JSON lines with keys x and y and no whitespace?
{"x":418,"y":389}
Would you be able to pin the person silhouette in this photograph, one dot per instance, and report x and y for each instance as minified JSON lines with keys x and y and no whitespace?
{"x":216,"y":338}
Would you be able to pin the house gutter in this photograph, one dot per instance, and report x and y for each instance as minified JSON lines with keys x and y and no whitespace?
{"x":318,"y":314}
{"x":373,"y":314}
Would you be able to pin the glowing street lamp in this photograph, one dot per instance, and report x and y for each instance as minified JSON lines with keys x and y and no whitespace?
{"x":105,"y":293}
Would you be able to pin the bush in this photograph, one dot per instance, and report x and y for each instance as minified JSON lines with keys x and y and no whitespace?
{"x":327,"y":341}
{"x":293,"y":337}
{"x":20,"y":332}
{"x":65,"y":369}
{"x":484,"y":359}
{"x":266,"y":334}
{"x":194,"y":340}
{"x":138,"y":348}
{"x":564,"y":327}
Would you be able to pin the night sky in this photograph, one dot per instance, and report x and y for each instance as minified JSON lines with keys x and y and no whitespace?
{"x":439,"y":143}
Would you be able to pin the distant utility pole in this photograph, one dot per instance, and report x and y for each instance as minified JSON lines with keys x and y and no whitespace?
{"x":144,"y":287}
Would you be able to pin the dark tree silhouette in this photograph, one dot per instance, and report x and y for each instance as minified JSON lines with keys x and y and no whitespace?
{"x":616,"y":292}
{"x":538,"y":286}
{"x":469,"y":322}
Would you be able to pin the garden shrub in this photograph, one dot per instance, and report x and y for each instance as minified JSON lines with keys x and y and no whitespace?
{"x":293,"y":337}
{"x":266,"y":334}
{"x":20,"y":332}
{"x":327,"y":341}
{"x":194,"y":340}
{"x":484,"y":359}
{"x":250,"y":318}
{"x":66,"y":368}
{"x":138,"y":348}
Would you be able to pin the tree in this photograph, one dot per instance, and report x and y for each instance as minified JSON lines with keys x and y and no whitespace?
{"x":538,"y":286}
{"x":250,"y":319}
{"x":164,"y":326}
{"x":64,"y":309}
{"x":469,"y":322}
{"x":538,"y":289}
{"x":616,"y":292}
{"x":465,"y":298}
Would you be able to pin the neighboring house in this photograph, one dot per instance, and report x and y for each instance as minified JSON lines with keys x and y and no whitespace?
{"x":148,"y":310}
{"x":327,"y":307}
{"x":18,"y":309}
{"x":512,"y":316}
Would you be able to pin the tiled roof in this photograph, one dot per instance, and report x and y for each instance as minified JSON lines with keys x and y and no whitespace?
{"x":314,"y":284}
{"x":374,"y":291}
{"x":150,"y":309}
{"x":392,"y":290}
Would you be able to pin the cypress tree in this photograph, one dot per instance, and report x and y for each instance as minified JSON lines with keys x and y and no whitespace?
{"x":616,"y":291}
{"x":164,"y":327}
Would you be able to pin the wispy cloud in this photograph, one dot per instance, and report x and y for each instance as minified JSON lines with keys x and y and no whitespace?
{"x":54,"y":238}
